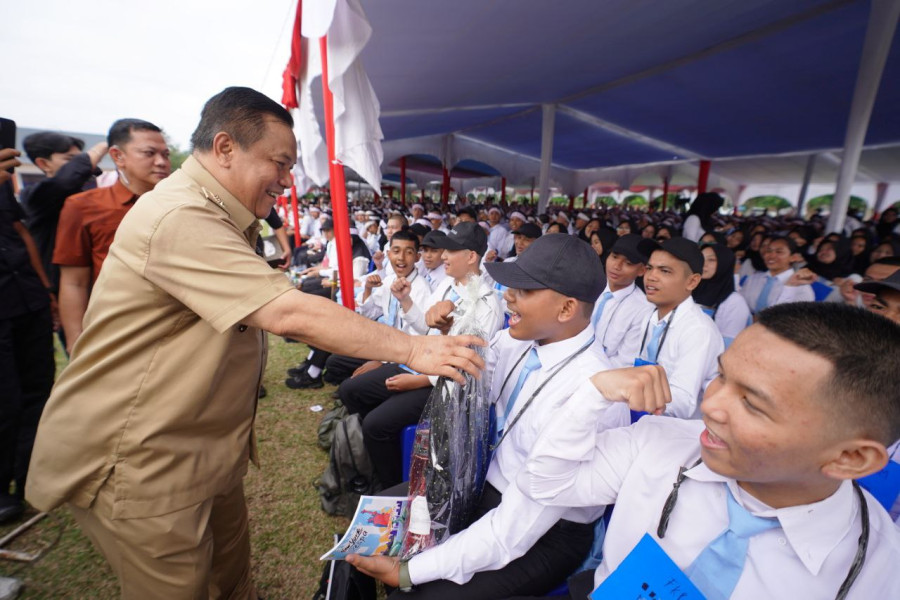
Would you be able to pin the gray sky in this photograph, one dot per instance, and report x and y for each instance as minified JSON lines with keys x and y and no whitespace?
{"x":78,"y":65}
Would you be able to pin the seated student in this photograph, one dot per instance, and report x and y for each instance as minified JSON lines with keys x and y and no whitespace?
{"x":716,"y":296}
{"x":622,"y":310}
{"x":379,"y":304}
{"x":806,"y":402}
{"x":878,"y":271}
{"x":775,"y":286}
{"x":523,"y":237}
{"x":431,"y":265}
{"x":391,"y":397}
{"x":518,"y":546}
{"x":678,"y":335}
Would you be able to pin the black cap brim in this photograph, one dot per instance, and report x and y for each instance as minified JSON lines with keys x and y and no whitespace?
{"x":511,"y":275}
{"x":873,"y":287}
{"x":445,"y":243}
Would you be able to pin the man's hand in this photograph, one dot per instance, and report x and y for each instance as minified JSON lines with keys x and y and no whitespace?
{"x":310,"y":271}
{"x":54,"y":312}
{"x":366,"y":367}
{"x":491,"y":256}
{"x":401,"y":288}
{"x":406,"y":382}
{"x":642,"y":388}
{"x":378,"y":257}
{"x":802,"y":277}
{"x":438,"y":316}
{"x":373,"y":281}
{"x":8,"y":161}
{"x":385,"y":569}
{"x":442,"y":355}
{"x":97,"y":152}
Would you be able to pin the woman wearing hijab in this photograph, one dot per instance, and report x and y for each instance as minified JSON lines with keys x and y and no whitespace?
{"x":832,"y":260}
{"x":699,"y":217}
{"x":602,"y":241}
{"x":753,"y":260}
{"x":860,"y":248}
{"x":887,"y":247}
{"x":716,"y":294}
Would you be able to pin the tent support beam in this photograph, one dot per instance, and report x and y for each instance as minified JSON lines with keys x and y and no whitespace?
{"x":703,"y":177}
{"x":547,"y":129}
{"x":807,"y":177}
{"x":403,"y":181}
{"x":879,"y":35}
{"x":880,"y":196}
{"x":503,"y":190}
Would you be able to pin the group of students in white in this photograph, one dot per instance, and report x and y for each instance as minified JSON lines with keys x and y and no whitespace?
{"x":765,"y":408}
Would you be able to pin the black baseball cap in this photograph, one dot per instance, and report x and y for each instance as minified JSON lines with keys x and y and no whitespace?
{"x":419,"y":229}
{"x":627,"y":246}
{"x":529,"y":230}
{"x":327,"y":225}
{"x":464,"y":236}
{"x":681,"y":248}
{"x":873,"y":287}
{"x":431,"y":236}
{"x":562,"y":263}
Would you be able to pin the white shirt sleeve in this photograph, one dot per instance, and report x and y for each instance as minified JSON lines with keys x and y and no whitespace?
{"x":732,"y":317}
{"x":693,"y":359}
{"x":693,"y":229}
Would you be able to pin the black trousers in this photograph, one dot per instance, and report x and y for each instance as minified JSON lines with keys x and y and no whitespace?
{"x":580,"y":586}
{"x":26,"y":377}
{"x":539,"y":571}
{"x":339,"y":368}
{"x":385,"y":415}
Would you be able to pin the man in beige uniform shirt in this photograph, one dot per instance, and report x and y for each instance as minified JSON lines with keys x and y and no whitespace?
{"x":148,"y":431}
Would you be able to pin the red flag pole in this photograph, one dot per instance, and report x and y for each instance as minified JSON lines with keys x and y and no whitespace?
{"x":403,"y":181}
{"x":338,"y":189}
{"x":296,"y":214}
{"x":703,"y":177}
{"x":665,"y":193}
{"x":445,"y":189}
{"x":503,"y":190}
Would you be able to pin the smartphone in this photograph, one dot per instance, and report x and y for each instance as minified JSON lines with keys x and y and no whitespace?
{"x":7,"y":135}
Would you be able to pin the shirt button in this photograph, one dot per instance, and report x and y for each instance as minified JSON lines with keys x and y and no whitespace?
{"x":782,"y":541}
{"x":242,"y":328}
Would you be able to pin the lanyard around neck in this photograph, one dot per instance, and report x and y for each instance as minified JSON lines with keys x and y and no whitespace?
{"x":534,"y":395}
{"x":662,"y":338}
{"x":613,"y":315}
{"x":861,"y":547}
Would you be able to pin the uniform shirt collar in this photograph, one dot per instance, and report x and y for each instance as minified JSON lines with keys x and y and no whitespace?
{"x":218,"y":195}
{"x":552,"y":354}
{"x":618,"y":295}
{"x":686,"y":306}
{"x":813,"y":530}
{"x":783,"y":276}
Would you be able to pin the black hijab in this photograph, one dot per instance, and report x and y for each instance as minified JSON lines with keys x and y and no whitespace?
{"x":842,"y":264}
{"x":608,"y":237}
{"x":712,"y":292}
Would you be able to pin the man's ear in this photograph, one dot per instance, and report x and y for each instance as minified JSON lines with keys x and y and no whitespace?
{"x":641,"y":270}
{"x":474,"y":258}
{"x":223,"y":149}
{"x":855,"y":459}
{"x":693,"y":281}
{"x":42,"y":163}
{"x":568,"y":310}
{"x":117,"y":156}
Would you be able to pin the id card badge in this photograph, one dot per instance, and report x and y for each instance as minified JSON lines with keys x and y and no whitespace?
{"x":647,"y":573}
{"x":884,"y":485}
{"x":637,"y":414}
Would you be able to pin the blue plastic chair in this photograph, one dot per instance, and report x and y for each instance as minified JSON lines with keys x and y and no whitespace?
{"x":407,"y":439}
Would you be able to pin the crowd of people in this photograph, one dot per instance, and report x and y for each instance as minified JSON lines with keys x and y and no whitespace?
{"x":762,"y":349}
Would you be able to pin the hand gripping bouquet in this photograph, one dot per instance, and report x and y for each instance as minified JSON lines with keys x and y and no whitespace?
{"x":451,"y":450}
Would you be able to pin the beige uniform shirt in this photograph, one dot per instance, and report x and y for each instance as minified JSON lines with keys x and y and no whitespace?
{"x":160,"y":394}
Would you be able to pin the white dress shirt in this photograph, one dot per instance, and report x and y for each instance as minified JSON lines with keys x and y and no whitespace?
{"x":509,"y":530}
{"x":500,"y":240}
{"x":808,"y":556}
{"x":432,"y":276}
{"x":379,"y":301}
{"x":780,"y":292}
{"x":732,"y":316}
{"x":621,"y":324}
{"x":693,"y":229}
{"x":689,"y":353}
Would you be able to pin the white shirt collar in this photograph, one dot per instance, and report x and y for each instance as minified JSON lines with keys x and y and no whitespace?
{"x":625,"y":291}
{"x":783,"y":276}
{"x":552,"y":354}
{"x":802,"y":525}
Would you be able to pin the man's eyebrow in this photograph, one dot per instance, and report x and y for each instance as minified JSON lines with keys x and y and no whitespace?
{"x":753,"y":391}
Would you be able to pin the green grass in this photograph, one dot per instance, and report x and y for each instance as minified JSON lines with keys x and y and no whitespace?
{"x":289,"y":531}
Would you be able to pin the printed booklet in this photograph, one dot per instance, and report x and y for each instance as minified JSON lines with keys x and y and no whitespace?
{"x":377,"y":528}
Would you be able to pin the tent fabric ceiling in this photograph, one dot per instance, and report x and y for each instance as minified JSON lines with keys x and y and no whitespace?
{"x":636,"y":82}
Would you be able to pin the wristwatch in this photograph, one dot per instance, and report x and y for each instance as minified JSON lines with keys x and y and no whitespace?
{"x":404,"y":581}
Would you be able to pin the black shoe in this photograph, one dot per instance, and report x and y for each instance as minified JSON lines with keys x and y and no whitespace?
{"x":304,"y":382}
{"x":301,"y":368}
{"x":262,"y":392}
{"x":11,"y":509}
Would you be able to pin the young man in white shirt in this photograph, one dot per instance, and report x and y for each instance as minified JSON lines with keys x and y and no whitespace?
{"x":678,"y":335}
{"x":391,"y":396}
{"x":377,"y":303}
{"x":518,"y":546}
{"x":431,"y":263}
{"x":776,"y":286}
{"x":622,"y":310}
{"x":806,"y":403}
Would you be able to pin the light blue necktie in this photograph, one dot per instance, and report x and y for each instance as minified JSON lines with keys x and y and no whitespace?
{"x":653,"y":346}
{"x":763,"y":301}
{"x":718,"y":568}
{"x":531,"y":363}
{"x":453,"y":295}
{"x":393,"y":308}
{"x":599,"y":310}
{"x":429,"y":279}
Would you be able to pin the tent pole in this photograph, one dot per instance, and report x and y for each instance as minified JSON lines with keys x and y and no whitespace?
{"x":547,"y":125}
{"x":403,"y":181}
{"x":585,"y":198}
{"x":338,"y":189}
{"x":879,"y":35}
{"x":571,"y":202}
{"x":703,"y":177}
{"x":880,"y":196}
{"x":503,"y":190}
{"x":665,"y":193}
{"x":445,"y":189}
{"x":807,"y":176}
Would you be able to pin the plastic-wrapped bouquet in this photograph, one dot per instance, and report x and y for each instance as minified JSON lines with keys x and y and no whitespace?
{"x":451,"y":450}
